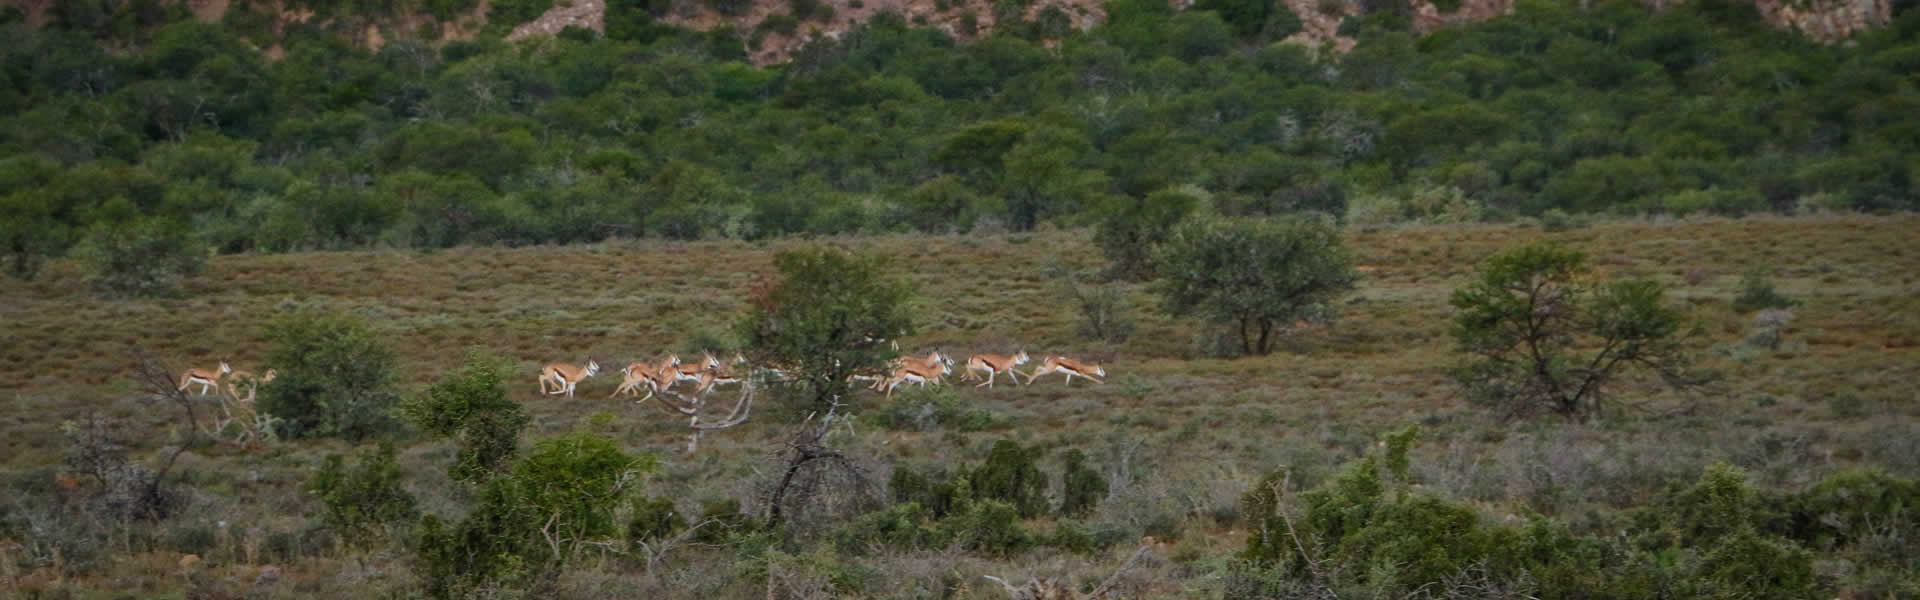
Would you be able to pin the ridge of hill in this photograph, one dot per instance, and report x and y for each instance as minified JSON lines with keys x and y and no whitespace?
{"x":774,"y":29}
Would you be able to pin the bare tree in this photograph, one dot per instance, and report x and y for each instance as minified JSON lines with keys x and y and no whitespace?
{"x":690,"y":405}
{"x":813,"y":474}
{"x":1049,"y":589}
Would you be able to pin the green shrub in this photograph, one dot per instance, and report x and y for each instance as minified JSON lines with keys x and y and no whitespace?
{"x":988,"y":526}
{"x":1084,"y":487}
{"x":1719,"y":504}
{"x":1072,"y":537}
{"x":365,"y":504}
{"x":335,"y":376}
{"x":1845,"y":508}
{"x":532,"y":519}
{"x":938,"y":494}
{"x":1757,"y":293}
{"x":1132,"y":229}
{"x":1556,"y":221}
{"x":935,"y":408}
{"x":727,"y":521}
{"x":1747,"y":564}
{"x":471,"y":406}
{"x":654,"y":518}
{"x":1010,"y":476}
{"x":142,"y":257}
{"x":905,"y":525}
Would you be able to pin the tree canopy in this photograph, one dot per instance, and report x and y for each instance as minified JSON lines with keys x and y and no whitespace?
{"x":653,"y":131}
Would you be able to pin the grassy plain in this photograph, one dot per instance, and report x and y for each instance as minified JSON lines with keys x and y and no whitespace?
{"x":1181,"y":436}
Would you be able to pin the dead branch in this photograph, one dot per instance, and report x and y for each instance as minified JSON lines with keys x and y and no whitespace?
{"x":1107,"y":586}
{"x":691,"y":405}
{"x":1049,"y":589}
{"x":656,"y":554}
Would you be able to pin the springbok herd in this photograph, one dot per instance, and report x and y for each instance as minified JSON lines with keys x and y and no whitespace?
{"x":710,"y":372}
{"x":560,"y":378}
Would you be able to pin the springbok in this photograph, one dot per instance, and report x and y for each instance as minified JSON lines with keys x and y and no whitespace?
{"x":995,"y":364}
{"x":651,"y":375}
{"x":1069,"y":366}
{"x":207,"y":379}
{"x":240,"y":380}
{"x":564,"y":376}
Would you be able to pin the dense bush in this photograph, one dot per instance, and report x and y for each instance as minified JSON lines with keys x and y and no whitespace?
{"x":364,"y":505}
{"x":891,"y":125}
{"x":335,"y":376}
{"x":472,"y":407}
{"x":1009,"y":475}
{"x":654,"y":518}
{"x":531,"y":520}
{"x":1757,"y":293}
{"x":1084,"y":487}
{"x":1131,"y":229}
{"x":1370,"y":527}
{"x":141,"y":257}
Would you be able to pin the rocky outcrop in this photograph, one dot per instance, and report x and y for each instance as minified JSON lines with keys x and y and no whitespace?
{"x":1825,"y":20}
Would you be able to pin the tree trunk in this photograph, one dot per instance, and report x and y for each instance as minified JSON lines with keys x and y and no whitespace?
{"x":1266,"y":327}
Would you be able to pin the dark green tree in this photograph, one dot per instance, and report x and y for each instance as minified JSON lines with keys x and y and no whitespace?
{"x":1131,"y":229}
{"x":828,"y":314}
{"x":364,"y":504}
{"x":145,"y":256}
{"x":335,"y":376}
{"x":1539,"y":335}
{"x":1255,"y":276}
{"x":471,"y":406}
{"x":532,"y":520}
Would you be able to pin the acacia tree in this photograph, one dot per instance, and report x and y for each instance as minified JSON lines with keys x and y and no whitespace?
{"x":1254,"y":275}
{"x":1539,"y":337}
{"x":829,"y":314}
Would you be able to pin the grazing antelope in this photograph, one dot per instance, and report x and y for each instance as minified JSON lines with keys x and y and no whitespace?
{"x":995,"y":364}
{"x":654,"y":376}
{"x":1069,"y":366}
{"x":243,"y":380}
{"x":207,"y":379}
{"x":564,"y":376}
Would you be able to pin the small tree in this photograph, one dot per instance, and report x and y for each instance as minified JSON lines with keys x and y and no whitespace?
{"x":365,"y":503}
{"x":1132,"y":228}
{"x":1105,"y":313}
{"x":1254,"y":275}
{"x":1010,"y":476}
{"x":532,"y":519}
{"x":1757,"y":293}
{"x":1084,"y":487}
{"x":142,"y":257}
{"x":472,"y":407}
{"x":335,"y":376}
{"x":1538,"y":337}
{"x":830,"y":314}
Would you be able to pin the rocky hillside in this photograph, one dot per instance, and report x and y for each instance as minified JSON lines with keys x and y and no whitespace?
{"x":773,"y":29}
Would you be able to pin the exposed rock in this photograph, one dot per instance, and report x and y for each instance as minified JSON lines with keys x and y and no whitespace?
{"x":590,"y":14}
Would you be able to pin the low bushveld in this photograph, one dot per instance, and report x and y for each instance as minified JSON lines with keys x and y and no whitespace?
{"x":1179,"y":434}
